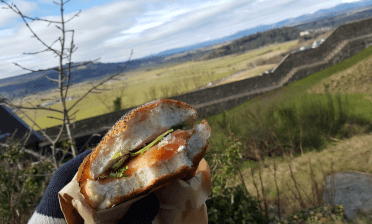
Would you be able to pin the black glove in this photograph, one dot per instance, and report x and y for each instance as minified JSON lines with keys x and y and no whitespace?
{"x":49,"y":211}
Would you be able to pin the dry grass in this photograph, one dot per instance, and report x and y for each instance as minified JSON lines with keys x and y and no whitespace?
{"x":356,"y":79}
{"x":353,"y":154}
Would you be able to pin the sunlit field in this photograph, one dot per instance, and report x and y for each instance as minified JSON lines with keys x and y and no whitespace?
{"x":323,"y":120}
{"x":144,"y":85}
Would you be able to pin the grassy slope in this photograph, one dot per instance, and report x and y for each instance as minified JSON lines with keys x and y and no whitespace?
{"x":360,"y":101}
{"x":347,"y":155}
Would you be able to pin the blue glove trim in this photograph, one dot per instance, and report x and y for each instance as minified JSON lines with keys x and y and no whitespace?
{"x":49,"y":204}
{"x":141,"y":212}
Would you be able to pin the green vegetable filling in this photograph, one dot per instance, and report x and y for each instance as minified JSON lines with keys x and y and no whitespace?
{"x":117,"y":155}
{"x":120,"y":172}
{"x":119,"y":163}
{"x":147,"y":147}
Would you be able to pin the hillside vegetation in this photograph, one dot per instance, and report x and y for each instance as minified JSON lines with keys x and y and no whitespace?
{"x":254,"y":41}
{"x":354,"y":80}
{"x":145,"y":85}
{"x":290,"y":138}
{"x":305,"y":128}
{"x":359,"y":103}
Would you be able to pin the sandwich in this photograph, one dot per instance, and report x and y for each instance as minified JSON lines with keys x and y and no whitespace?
{"x":151,"y":146}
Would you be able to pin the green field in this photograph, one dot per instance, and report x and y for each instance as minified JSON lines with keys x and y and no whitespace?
{"x":143,"y":85}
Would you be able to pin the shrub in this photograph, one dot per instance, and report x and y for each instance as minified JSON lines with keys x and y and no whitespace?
{"x":21,"y":184}
{"x":233,"y":204}
{"x":117,"y":104}
{"x":307,"y":123}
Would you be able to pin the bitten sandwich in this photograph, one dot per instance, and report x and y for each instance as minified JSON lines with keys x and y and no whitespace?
{"x":153,"y":145}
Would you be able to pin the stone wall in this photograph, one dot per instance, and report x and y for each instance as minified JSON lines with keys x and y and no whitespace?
{"x":344,"y":42}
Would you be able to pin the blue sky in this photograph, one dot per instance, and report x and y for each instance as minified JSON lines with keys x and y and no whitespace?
{"x":110,"y":29}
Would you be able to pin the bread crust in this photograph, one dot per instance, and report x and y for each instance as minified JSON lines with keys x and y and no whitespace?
{"x":140,"y":113}
{"x":184,"y":172}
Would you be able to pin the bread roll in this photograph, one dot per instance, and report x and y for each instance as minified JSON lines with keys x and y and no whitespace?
{"x":175,"y":157}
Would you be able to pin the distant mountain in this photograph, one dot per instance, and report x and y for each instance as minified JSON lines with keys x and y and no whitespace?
{"x":321,"y":14}
{"x":337,"y":20}
{"x":36,"y":82}
{"x":214,"y":42}
{"x":338,"y":9}
{"x":237,"y":35}
{"x":173,"y":51}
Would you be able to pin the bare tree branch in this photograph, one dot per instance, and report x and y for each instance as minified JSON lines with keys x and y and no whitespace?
{"x":34,"y":123}
{"x":56,"y":69}
{"x":35,"y":108}
{"x":37,"y":18}
{"x":69,"y":63}
{"x":63,"y":81}
{"x":85,"y":63}
{"x":60,"y":119}
{"x":28,"y":26}
{"x":66,"y":1}
{"x":38,"y":52}
{"x":37,"y":155}
{"x":87,"y":142}
{"x":76,"y":15}
{"x":27,"y":69}
{"x":54,"y":80}
{"x":31,"y":152}
{"x":74,"y":113}
{"x":100,"y":83}
{"x":30,"y":132}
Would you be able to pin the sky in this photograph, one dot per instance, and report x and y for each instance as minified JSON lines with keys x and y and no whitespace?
{"x":109,"y":30}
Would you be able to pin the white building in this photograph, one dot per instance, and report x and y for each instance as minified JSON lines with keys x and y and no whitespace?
{"x":316,"y":44}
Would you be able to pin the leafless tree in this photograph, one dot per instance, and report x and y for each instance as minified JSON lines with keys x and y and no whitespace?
{"x":64,"y":53}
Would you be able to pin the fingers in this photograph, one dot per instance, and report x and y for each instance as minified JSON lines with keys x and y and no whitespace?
{"x":67,"y":171}
{"x":49,"y":204}
{"x":142,"y":211}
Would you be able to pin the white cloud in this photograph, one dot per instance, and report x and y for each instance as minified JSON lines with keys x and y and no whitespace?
{"x":141,"y":27}
{"x":6,"y":32}
{"x":7,"y":16}
{"x":349,"y":1}
{"x":46,"y":1}
{"x":111,"y":30}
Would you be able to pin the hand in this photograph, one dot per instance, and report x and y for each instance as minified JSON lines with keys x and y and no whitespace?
{"x":49,"y":211}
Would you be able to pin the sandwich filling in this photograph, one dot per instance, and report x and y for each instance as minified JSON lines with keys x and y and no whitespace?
{"x":120,"y":172}
{"x":165,"y":156}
